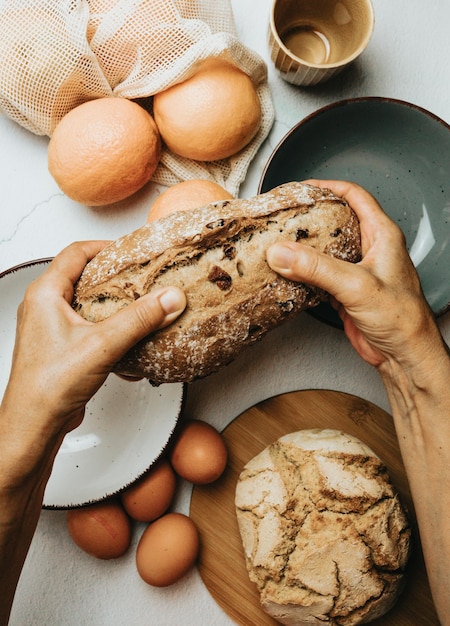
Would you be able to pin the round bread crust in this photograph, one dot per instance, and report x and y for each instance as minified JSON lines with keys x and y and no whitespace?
{"x":325,"y":537}
{"x":217,"y":255}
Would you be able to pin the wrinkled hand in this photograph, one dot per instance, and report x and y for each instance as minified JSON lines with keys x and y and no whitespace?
{"x":379,"y":299}
{"x":60,"y":360}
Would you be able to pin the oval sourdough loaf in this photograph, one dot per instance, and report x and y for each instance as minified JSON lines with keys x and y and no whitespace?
{"x":325,"y":537}
{"x":217,"y":255}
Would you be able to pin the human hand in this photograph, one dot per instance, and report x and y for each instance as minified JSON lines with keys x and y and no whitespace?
{"x":60,"y":360}
{"x":379,"y":299}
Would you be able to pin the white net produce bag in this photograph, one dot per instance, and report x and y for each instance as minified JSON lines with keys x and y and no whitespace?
{"x":56,"y":54}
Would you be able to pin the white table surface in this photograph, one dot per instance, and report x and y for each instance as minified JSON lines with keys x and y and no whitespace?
{"x":408,"y":59}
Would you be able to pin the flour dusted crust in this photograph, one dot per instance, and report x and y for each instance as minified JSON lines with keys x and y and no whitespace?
{"x":325,"y":537}
{"x":217,"y":255}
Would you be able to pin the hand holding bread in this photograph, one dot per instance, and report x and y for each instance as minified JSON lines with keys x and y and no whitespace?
{"x":380,"y":300}
{"x":217,"y":255}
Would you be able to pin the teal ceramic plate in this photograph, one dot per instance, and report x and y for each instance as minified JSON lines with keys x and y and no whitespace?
{"x":397,"y":151}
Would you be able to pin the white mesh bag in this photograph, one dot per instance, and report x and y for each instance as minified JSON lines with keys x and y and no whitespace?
{"x":56,"y":54}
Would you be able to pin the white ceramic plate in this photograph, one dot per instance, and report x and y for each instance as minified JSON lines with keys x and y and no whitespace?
{"x":126,"y":427}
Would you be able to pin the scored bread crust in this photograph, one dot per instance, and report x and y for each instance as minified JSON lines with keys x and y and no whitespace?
{"x":217,"y":255}
{"x":325,"y":536}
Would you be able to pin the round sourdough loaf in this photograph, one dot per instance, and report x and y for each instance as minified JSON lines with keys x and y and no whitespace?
{"x":217,"y":255}
{"x":325,"y":537}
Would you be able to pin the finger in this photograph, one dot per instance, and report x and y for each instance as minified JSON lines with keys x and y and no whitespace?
{"x":362,"y":201}
{"x":305,"y":264}
{"x":341,"y":188}
{"x":374,"y":222}
{"x":131,"y":379}
{"x":67,"y":266}
{"x":149,"y":313}
{"x":72,"y":260}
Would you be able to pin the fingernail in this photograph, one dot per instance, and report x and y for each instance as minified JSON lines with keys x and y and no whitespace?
{"x":281,"y":257}
{"x":172,"y":301}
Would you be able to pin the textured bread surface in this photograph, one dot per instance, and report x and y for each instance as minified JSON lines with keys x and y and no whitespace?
{"x":325,"y":537}
{"x":217,"y":255}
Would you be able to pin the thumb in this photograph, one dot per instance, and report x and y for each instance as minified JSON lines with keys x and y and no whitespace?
{"x":305,"y":264}
{"x":149,"y":313}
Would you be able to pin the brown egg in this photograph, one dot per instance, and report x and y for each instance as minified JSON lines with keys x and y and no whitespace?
{"x":151,"y":496}
{"x":102,"y":530}
{"x":167,"y":549}
{"x":199,"y":453}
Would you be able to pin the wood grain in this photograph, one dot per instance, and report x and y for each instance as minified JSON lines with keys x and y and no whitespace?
{"x":221,"y":561}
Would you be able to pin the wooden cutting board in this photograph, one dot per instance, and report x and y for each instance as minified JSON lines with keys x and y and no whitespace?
{"x":221,"y":561}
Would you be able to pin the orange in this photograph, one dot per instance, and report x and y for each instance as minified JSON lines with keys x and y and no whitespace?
{"x":104,"y":151}
{"x":190,"y":194}
{"x":210,"y":116}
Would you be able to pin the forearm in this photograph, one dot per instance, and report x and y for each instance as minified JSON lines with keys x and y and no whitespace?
{"x":25,"y":466}
{"x":420,"y":402}
{"x":59,"y":362}
{"x":18,"y":520}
